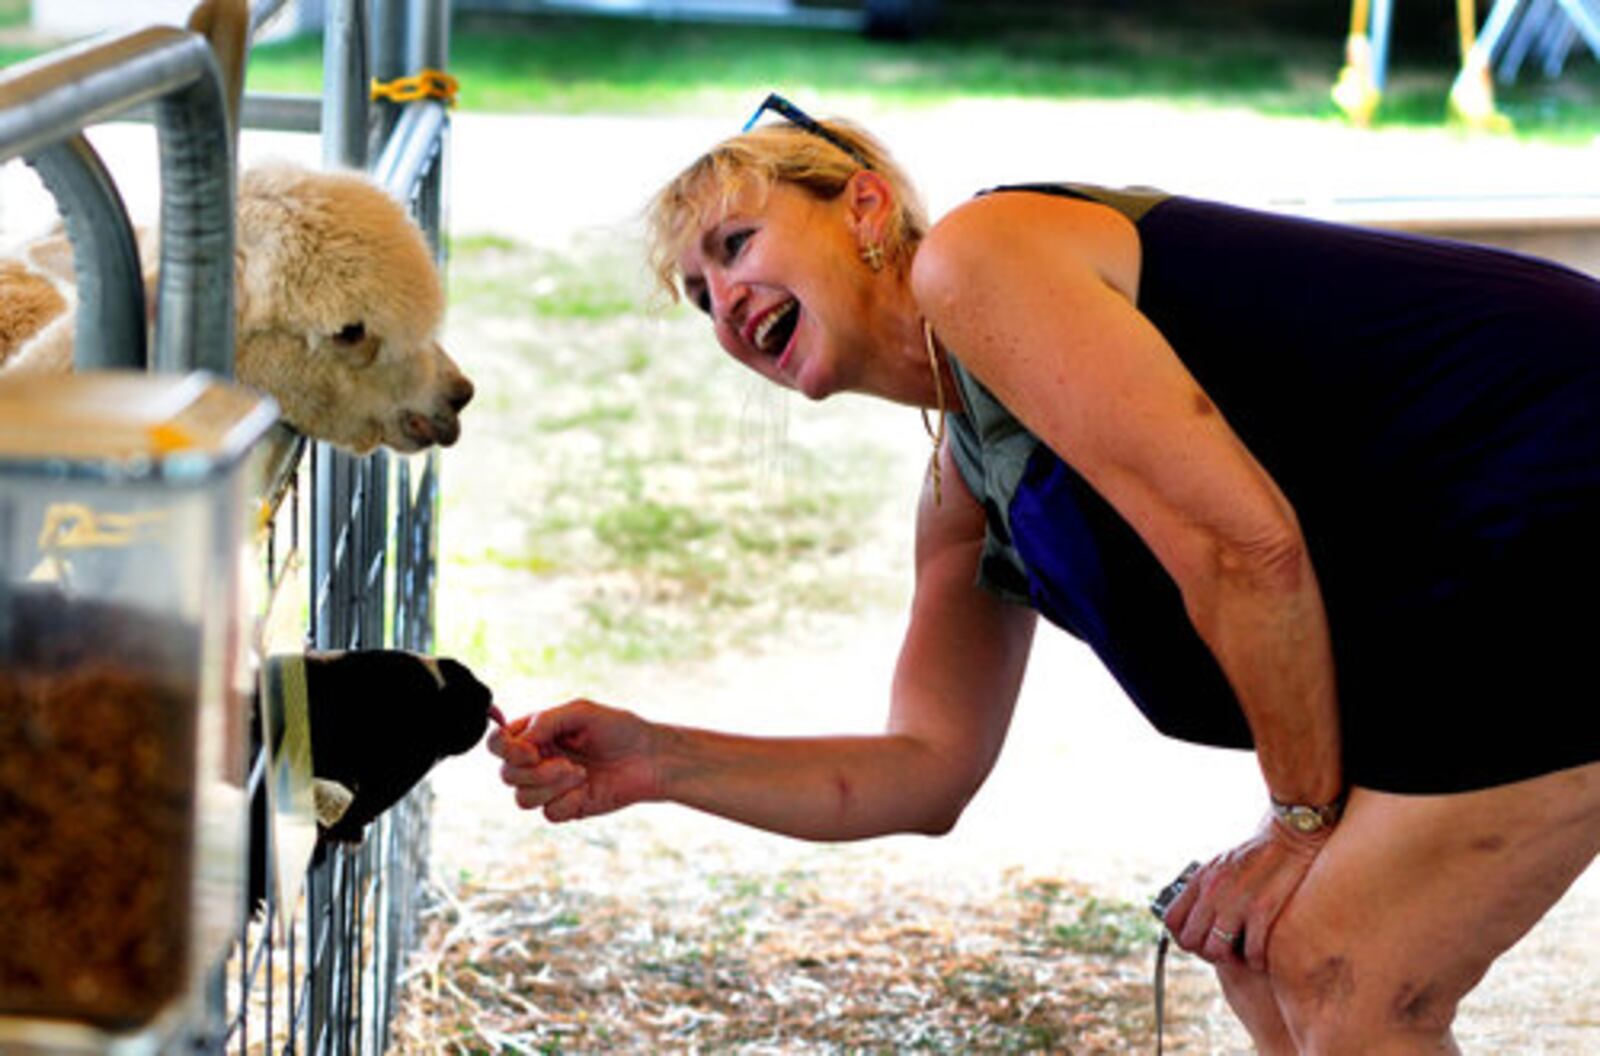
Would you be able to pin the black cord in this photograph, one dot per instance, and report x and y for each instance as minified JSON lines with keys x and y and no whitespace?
{"x":1161,"y":987}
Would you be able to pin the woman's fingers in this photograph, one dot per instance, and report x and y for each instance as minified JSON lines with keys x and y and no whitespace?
{"x":1222,"y":943}
{"x":540,"y":773}
{"x":503,"y":737}
{"x":1195,"y":911}
{"x":1178,"y":910}
{"x":573,"y":719}
{"x":538,"y":783}
{"x":576,"y":760}
{"x":1215,"y":927}
{"x":1254,"y":949}
{"x":1266,"y":907}
{"x":1228,"y":911}
{"x":521,"y":752}
{"x":568,"y":806}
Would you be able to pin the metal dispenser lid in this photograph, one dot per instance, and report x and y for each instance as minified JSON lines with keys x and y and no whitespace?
{"x":127,"y":424}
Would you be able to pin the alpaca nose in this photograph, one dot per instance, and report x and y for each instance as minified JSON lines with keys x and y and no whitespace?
{"x":461,"y":393}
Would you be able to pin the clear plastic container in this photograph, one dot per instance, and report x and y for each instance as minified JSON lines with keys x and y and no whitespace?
{"x":125,"y":530}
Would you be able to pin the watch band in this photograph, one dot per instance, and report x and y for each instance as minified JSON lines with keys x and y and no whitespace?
{"x":1305,"y":818}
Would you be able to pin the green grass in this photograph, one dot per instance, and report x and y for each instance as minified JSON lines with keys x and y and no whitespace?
{"x":1107,"y":927}
{"x":618,"y":461}
{"x":582,"y":65}
{"x":587,"y":64}
{"x":1253,"y":59}
{"x":1070,"y":920}
{"x":508,"y":277}
{"x":1278,"y":58}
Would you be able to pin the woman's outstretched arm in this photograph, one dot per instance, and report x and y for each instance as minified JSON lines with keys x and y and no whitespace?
{"x":955,"y":685}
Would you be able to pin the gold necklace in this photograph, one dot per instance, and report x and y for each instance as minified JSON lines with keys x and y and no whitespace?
{"x":935,"y":435}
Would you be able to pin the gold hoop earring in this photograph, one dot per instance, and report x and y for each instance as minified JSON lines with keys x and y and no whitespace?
{"x":872,"y":254}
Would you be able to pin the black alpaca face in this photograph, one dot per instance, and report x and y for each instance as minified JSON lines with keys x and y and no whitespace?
{"x":381,"y":719}
{"x":465,"y":705}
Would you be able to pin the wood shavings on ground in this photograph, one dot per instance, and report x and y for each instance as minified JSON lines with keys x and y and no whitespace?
{"x":692,"y":952}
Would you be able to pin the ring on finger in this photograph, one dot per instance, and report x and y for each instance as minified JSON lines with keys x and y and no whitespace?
{"x":1227,"y":938}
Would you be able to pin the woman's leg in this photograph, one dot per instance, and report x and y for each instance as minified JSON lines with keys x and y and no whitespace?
{"x":1252,"y":999}
{"x":1411,"y":902}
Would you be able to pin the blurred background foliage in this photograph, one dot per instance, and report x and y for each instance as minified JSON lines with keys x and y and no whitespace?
{"x":1273,"y":56}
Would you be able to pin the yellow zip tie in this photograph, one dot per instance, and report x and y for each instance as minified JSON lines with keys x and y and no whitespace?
{"x":429,"y":84}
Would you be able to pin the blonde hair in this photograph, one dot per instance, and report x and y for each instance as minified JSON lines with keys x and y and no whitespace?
{"x":754,"y":161}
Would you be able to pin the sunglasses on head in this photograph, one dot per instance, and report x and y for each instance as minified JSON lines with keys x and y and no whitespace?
{"x":803,"y":121}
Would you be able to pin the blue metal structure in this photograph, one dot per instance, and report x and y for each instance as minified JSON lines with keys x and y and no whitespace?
{"x":1543,"y":30}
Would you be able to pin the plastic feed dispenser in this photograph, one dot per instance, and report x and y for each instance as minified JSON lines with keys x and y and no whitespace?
{"x":125,"y":527}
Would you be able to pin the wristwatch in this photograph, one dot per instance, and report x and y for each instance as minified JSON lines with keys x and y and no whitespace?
{"x":1308,"y":819}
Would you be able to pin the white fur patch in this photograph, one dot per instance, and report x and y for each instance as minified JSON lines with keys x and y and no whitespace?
{"x":332,"y":800}
{"x":433,"y":668}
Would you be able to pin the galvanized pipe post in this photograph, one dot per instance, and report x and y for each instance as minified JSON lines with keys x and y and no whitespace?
{"x":48,"y":100}
{"x":110,"y":329}
{"x":339,"y":499}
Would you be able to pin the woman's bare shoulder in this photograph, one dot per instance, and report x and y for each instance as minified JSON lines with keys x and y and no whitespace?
{"x":1020,"y":236}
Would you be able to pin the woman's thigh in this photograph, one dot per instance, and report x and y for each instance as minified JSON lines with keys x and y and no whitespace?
{"x":1415,"y":897}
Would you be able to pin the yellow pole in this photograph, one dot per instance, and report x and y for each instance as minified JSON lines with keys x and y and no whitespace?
{"x":1466,"y":25}
{"x":1356,"y":90}
{"x":1360,"y":11}
{"x":1472,"y":95}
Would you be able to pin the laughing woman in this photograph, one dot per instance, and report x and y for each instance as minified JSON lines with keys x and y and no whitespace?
{"x":1323,"y":493}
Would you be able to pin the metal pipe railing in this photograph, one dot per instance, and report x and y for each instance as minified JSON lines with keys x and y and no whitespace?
{"x":50,"y":99}
{"x":262,"y":11}
{"x":110,"y":327}
{"x":412,"y":149}
{"x":346,"y":85}
{"x":225,"y":24}
{"x":430,"y":34}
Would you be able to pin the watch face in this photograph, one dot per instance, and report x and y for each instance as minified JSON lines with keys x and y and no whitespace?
{"x":1305,"y":820}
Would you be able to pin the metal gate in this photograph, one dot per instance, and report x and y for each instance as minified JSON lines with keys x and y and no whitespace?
{"x":318,"y":976}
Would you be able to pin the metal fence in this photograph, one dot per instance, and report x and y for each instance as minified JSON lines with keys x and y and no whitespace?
{"x":320,"y":975}
{"x":372,"y":531}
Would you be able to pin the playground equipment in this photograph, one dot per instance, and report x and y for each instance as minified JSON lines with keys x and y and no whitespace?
{"x":1545,"y":30}
{"x":1513,"y":32}
{"x":1361,"y":82}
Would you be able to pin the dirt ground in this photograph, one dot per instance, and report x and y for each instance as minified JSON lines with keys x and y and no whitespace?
{"x":1083,"y":799}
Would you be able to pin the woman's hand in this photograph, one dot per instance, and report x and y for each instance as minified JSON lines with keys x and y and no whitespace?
{"x":578,"y":760}
{"x":1227,"y":911}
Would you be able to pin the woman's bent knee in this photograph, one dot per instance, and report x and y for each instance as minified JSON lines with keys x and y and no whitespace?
{"x":1337,"y":999}
{"x":1250,"y":995}
{"x":1414,"y":899}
